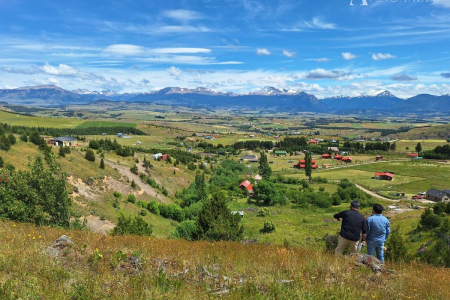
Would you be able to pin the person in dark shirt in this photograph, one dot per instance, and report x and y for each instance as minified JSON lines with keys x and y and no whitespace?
{"x":353,"y":228}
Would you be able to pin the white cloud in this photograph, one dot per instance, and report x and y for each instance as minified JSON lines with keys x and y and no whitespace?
{"x":180,"y":29}
{"x":180,"y":50}
{"x":381,"y":56}
{"x":54,"y":81}
{"x":323,"y":59}
{"x":124,"y":49}
{"x":328,"y":74}
{"x":317,"y":23}
{"x":61,"y":70}
{"x":289,"y":53}
{"x":174,"y":71}
{"x":403,"y":77}
{"x":263,"y":51}
{"x":444,"y":3}
{"x":348,"y":56}
{"x":182,"y":14}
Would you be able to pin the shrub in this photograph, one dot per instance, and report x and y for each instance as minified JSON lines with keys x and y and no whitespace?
{"x":143,"y":212}
{"x":429,"y":220}
{"x":117,"y":194}
{"x":129,"y":225}
{"x":133,"y":184}
{"x":102,"y":164}
{"x":153,"y":207}
{"x":268,"y":227}
{"x":24,"y":138}
{"x":185,"y":230}
{"x":134,"y":170}
{"x":131,"y":198}
{"x":263,"y":212}
{"x":90,"y":156}
{"x":165,"y":192}
{"x":396,"y":248}
{"x":172,"y":211}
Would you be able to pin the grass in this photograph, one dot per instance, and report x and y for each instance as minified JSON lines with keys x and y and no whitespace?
{"x":88,"y":124}
{"x":194,"y":270}
{"x":22,"y":120}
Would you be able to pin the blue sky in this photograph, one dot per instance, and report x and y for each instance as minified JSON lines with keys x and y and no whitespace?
{"x":324,"y":47}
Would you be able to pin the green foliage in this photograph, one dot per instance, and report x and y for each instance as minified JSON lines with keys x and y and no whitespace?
{"x":5,"y":144}
{"x":216,"y":222}
{"x":193,"y":211}
{"x":143,"y":212}
{"x":418,"y":148}
{"x":61,"y":152}
{"x":263,"y":212}
{"x":347,"y":192}
{"x":396,"y":248}
{"x":264,"y":168}
{"x":267,"y":192}
{"x":133,"y":184}
{"x":38,"y":195}
{"x":308,"y":165}
{"x":172,"y":211}
{"x":132,"y":226}
{"x":185,"y":230}
{"x":117,"y":194}
{"x":134,"y":170}
{"x":131,"y":198}
{"x":268,"y":227}
{"x":191,"y":166}
{"x":165,"y":192}
{"x":153,"y":207}
{"x":90,"y":156}
{"x":102,"y":164}
{"x":24,"y":138}
{"x":429,"y":220}
{"x":2,"y":163}
{"x":12,"y":139}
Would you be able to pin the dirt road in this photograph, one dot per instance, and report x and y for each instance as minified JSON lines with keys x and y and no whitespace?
{"x":125,"y":171}
{"x":374,"y":194}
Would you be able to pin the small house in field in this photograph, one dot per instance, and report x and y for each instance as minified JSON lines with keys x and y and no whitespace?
{"x":250,"y":157}
{"x":165,"y":156}
{"x":301,"y":164}
{"x":246,"y":185}
{"x":280,"y":153}
{"x":333,"y":149}
{"x":438,"y":195}
{"x":258,"y":178}
{"x":347,"y":159}
{"x":326,"y":156}
{"x":156,"y":156}
{"x":384,"y":176}
{"x":238,"y":212}
{"x":413,"y":155}
{"x":313,"y":142}
{"x":338,"y":157}
{"x":378,"y":157}
{"x":326,"y":166}
{"x":66,"y":141}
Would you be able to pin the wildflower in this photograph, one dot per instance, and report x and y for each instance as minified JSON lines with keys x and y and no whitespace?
{"x":29,"y":234}
{"x":40,"y":236}
{"x":14,"y":225}
{"x":415,"y":290}
{"x":34,"y":237}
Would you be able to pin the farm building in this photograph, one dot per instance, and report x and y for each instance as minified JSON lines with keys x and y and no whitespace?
{"x":412,"y":155}
{"x":326,"y":166}
{"x":326,"y":155}
{"x":334,"y":149}
{"x":250,"y":157}
{"x":301,"y":164}
{"x":338,"y":157}
{"x":238,"y":212}
{"x":258,"y":178}
{"x":347,"y":159}
{"x":280,"y":153}
{"x":314,"y":142}
{"x":246,"y":185}
{"x":438,"y":196}
{"x":66,"y":141}
{"x":165,"y":156}
{"x":384,"y":176}
{"x":379,"y":157}
{"x":156,"y":156}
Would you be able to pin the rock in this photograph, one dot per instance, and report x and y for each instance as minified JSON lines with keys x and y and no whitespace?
{"x":59,"y":247}
{"x":369,"y":261}
{"x":132,"y":265}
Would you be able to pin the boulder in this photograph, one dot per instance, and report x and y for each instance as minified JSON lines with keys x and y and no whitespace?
{"x":59,"y":247}
{"x":369,"y":261}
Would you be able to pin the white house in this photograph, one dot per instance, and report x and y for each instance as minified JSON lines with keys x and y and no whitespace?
{"x":156,"y":156}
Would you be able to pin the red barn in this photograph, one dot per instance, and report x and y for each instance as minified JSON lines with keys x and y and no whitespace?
{"x":246,"y":185}
{"x":326,"y":155}
{"x":301,"y":164}
{"x":412,"y":155}
{"x":379,"y":157}
{"x":314,"y":142}
{"x":384,"y":176}
{"x":347,"y":159}
{"x":165,"y":156}
{"x":338,"y":157}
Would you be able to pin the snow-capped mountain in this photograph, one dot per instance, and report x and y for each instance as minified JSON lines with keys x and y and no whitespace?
{"x":376,"y":93}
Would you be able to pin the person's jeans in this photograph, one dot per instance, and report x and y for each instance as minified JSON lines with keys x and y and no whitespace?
{"x":377,"y":247}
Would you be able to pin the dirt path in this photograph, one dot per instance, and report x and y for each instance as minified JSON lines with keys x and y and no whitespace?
{"x":374,"y":194}
{"x":125,"y":171}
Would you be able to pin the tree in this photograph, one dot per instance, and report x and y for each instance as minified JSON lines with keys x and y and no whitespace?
{"x":200,"y":185}
{"x":419,"y":148}
{"x":396,"y":247}
{"x":12,"y":139}
{"x":2,"y":163}
{"x":62,"y":153}
{"x":102,"y":164}
{"x":24,"y":138}
{"x":216,"y":222}
{"x":393,"y":146}
{"x":135,"y":226}
{"x":90,"y":156}
{"x":264,"y":169}
{"x":308,"y":165}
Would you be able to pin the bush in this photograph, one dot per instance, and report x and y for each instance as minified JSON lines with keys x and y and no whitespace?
{"x":429,"y":220}
{"x":172,"y":211}
{"x":263,"y":212}
{"x":24,"y":138}
{"x":129,"y":225}
{"x":396,"y":248}
{"x":117,"y":194}
{"x":90,"y":156}
{"x":134,"y":170}
{"x":131,"y":198}
{"x":133,"y":184}
{"x":143,"y":212}
{"x":185,"y":230}
{"x":165,"y":192}
{"x":268,"y":227}
{"x":153,"y":207}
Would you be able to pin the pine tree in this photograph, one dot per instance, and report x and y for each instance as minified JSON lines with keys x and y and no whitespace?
{"x":90,"y":156}
{"x":396,"y":247}
{"x":419,"y":148}
{"x":264,"y":169}
{"x":308,"y":165}
{"x":2,"y":163}
{"x":200,"y":185}
{"x":102,"y":164}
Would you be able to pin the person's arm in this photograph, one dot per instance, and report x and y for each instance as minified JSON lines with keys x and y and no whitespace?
{"x":364,"y":231}
{"x":339,"y":215}
{"x":388,"y":229}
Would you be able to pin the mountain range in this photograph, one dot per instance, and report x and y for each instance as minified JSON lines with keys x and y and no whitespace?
{"x":269,"y":99}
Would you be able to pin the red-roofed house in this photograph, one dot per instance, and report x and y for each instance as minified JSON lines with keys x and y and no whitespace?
{"x":338,"y":157}
{"x":379,"y":157}
{"x":384,"y":176}
{"x":301,"y":164}
{"x":326,"y":155}
{"x":314,"y":142}
{"x":413,"y":155}
{"x":165,"y":156}
{"x":347,"y":159}
{"x":246,"y":185}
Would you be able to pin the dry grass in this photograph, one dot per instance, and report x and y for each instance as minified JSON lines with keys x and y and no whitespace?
{"x":194,"y":270}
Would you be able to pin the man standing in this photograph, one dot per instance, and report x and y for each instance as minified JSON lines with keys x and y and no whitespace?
{"x":378,"y":229}
{"x":353,"y":225}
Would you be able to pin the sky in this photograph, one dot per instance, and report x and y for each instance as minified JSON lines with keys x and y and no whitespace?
{"x":322,"y":47}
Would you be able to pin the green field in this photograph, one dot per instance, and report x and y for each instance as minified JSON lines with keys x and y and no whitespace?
{"x":22,"y":120}
{"x":88,"y":124}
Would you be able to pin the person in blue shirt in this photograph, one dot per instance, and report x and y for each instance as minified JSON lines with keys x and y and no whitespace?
{"x":378,"y":230}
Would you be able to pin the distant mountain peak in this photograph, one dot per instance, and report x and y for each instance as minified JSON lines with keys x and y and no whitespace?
{"x":377,"y":93}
